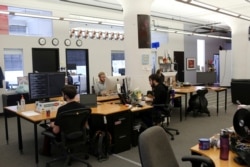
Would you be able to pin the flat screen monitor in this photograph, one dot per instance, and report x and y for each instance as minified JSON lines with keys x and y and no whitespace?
{"x":112,"y":81}
{"x":45,"y":85}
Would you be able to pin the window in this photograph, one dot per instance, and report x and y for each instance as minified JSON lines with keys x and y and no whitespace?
{"x":118,"y":63}
{"x":27,"y":26}
{"x":200,"y":55}
{"x":13,"y":63}
{"x":77,"y":65}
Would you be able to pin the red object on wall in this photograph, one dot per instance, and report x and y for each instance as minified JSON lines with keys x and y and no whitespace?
{"x":4,"y":22}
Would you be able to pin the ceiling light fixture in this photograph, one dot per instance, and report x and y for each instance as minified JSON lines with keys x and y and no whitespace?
{"x":228,"y":12}
{"x":36,"y":16}
{"x":214,"y":8}
{"x":4,"y":12}
{"x":203,"y":5}
{"x":245,"y":17}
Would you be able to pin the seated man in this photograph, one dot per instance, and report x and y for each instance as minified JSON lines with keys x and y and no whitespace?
{"x":159,"y":99}
{"x":100,"y":86}
{"x":68,"y":92}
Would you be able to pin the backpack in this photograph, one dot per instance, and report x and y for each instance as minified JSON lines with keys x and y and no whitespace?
{"x":101,"y":145}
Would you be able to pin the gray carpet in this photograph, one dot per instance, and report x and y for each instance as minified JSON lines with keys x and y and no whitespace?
{"x":191,"y":129}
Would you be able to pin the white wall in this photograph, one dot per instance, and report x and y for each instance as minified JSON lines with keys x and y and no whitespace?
{"x":99,"y":50}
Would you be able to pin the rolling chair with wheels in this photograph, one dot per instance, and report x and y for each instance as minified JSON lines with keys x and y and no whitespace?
{"x":73,"y":136}
{"x":166,"y":114}
{"x":156,"y":151}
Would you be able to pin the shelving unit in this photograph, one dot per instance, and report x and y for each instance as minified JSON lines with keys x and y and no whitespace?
{"x":170,"y":72}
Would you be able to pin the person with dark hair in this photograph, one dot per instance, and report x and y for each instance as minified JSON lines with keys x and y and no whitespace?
{"x":159,"y":73}
{"x":70,"y":79}
{"x":68,"y":92}
{"x":160,"y":95}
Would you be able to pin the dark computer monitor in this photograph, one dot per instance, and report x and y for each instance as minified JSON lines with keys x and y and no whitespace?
{"x":43,"y":86}
{"x":71,"y":66}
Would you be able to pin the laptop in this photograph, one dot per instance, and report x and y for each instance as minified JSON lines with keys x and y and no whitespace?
{"x":89,"y":100}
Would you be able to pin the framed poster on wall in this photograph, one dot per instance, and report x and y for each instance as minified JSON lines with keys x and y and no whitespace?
{"x":191,"y":64}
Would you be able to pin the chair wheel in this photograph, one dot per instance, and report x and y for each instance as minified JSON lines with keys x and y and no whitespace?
{"x":177,"y":133}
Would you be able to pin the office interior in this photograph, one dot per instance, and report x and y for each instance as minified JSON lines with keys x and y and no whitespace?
{"x":99,"y":51}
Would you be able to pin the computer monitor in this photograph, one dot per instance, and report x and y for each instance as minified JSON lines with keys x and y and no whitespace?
{"x":112,"y":81}
{"x":43,"y":86}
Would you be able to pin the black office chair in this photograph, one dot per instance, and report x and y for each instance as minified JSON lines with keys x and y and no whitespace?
{"x":166,"y":114}
{"x":156,"y":151}
{"x":73,"y":136}
{"x":198,"y":103}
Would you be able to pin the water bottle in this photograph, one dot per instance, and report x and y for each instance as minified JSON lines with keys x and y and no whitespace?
{"x":22,"y":103}
{"x":224,"y":145}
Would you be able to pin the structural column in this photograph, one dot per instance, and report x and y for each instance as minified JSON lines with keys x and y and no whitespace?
{"x":240,"y":49}
{"x":138,"y":56}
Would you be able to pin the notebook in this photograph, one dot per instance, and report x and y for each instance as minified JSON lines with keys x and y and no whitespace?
{"x":89,"y":100}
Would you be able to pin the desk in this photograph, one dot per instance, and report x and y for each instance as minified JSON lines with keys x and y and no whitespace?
{"x":214,"y":154}
{"x":191,"y":89}
{"x":103,"y":109}
{"x":107,"y":98}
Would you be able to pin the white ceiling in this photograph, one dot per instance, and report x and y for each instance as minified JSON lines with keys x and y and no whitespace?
{"x":180,"y":11}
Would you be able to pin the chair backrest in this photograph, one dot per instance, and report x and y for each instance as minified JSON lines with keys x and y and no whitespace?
{"x":155,"y":149}
{"x":72,"y":125}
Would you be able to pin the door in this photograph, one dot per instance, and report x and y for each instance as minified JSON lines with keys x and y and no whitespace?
{"x":179,"y":59}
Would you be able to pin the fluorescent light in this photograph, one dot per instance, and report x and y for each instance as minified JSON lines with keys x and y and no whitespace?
{"x":225,"y":37}
{"x":245,"y":17}
{"x":4,"y":12}
{"x":36,"y":16}
{"x":79,"y":20}
{"x":99,"y":20}
{"x":203,"y":5}
{"x":184,"y":32}
{"x":165,"y":30}
{"x":228,"y":12}
{"x":201,"y":35}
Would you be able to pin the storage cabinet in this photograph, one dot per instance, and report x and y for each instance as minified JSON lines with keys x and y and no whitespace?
{"x":119,"y":126}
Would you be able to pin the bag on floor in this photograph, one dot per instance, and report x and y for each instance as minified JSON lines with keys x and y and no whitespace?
{"x":101,"y":145}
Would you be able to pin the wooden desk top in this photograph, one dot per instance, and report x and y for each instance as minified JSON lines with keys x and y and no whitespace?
{"x":107,"y":98}
{"x":214,"y":154}
{"x":190,"y":89}
{"x":101,"y":109}
{"x":99,"y":98}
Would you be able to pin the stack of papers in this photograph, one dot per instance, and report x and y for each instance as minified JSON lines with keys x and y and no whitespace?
{"x":30,"y":113}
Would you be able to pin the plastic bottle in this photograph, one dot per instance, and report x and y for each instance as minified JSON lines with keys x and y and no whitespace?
{"x":224,"y":145}
{"x":22,"y":103}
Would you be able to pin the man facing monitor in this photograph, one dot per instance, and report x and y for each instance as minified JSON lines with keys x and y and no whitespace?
{"x":100,"y":86}
{"x":68,"y":92}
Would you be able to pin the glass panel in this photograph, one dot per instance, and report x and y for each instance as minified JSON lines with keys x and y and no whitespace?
{"x":13,"y":63}
{"x":118,"y":63}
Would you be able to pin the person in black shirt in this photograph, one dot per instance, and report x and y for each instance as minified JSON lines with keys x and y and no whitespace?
{"x":160,"y":95}
{"x":68,"y":92}
{"x":159,"y":73}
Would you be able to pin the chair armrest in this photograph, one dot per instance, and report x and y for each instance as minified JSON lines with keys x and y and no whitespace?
{"x":49,"y":134}
{"x":199,"y":159}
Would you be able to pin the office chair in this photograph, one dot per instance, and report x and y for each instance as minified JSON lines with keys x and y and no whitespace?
{"x":198,"y":103}
{"x":73,"y":136}
{"x":156,"y":151}
{"x":166,"y":114}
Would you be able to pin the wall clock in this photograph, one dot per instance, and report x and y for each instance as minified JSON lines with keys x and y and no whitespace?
{"x":42,"y":41}
{"x":79,"y":42}
{"x":67,"y":42}
{"x":55,"y":41}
